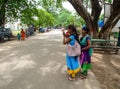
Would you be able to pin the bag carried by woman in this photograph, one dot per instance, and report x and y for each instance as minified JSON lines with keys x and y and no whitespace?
{"x":73,"y":50}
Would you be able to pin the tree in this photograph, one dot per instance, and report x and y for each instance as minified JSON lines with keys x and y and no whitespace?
{"x":28,"y":15}
{"x":112,"y":20}
{"x":90,"y":19}
{"x":64,"y":17}
{"x":43,"y":18}
{"x":12,"y":8}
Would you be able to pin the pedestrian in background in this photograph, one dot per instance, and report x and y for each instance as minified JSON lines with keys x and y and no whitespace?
{"x":22,"y":34}
{"x":18,"y":36}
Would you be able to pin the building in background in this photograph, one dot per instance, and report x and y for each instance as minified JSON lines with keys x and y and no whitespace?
{"x":15,"y":25}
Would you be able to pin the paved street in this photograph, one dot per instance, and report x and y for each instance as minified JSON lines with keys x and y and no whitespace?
{"x":38,"y":63}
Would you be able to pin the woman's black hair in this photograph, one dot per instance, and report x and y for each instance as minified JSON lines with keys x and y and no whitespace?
{"x":73,"y":28}
{"x":85,"y":28}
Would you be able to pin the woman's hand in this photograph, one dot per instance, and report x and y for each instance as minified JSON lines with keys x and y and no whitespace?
{"x":66,"y":40}
{"x":89,"y":45}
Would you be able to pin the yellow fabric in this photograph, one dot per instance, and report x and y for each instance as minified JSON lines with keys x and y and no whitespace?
{"x":73,"y":72}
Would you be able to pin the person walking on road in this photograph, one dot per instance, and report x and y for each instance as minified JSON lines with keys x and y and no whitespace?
{"x":71,"y":61}
{"x":22,"y":34}
{"x":18,"y":36}
{"x":85,"y":57}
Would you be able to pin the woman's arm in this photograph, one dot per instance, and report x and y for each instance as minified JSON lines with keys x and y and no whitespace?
{"x":89,"y":45}
{"x":66,"y":40}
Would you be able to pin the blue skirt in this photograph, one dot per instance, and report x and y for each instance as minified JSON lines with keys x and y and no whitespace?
{"x":72,"y":65}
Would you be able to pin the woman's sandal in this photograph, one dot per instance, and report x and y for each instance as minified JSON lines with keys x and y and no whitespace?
{"x":83,"y":77}
{"x":71,"y":79}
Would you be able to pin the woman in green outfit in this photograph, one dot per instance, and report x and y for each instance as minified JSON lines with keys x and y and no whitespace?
{"x":85,"y":58}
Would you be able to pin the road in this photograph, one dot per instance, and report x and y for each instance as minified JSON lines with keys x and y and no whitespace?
{"x":38,"y":63}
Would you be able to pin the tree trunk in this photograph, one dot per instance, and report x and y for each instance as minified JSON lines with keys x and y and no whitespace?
{"x":79,"y":7}
{"x":96,"y":11}
{"x":91,"y":20}
{"x":2,"y":13}
{"x":112,"y":20}
{"x":2,"y":19}
{"x":2,"y":16}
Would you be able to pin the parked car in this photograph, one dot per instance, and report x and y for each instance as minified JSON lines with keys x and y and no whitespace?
{"x":27,"y":32}
{"x":5,"y":34}
{"x":31,"y":30}
{"x":42,"y":30}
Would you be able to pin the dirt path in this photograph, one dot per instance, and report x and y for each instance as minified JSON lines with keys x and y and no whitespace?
{"x":107,"y":70}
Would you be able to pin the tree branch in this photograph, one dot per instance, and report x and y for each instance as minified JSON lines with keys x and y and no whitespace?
{"x":79,"y":7}
{"x":113,"y":19}
{"x":96,"y":10}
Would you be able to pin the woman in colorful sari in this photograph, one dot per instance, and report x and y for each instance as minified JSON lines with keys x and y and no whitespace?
{"x":85,"y":58}
{"x":71,"y":61}
{"x":22,"y":34}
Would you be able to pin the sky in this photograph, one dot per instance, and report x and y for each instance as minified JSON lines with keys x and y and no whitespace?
{"x":68,"y":6}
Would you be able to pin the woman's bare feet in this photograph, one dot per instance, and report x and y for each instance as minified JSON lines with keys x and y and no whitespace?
{"x":71,"y":79}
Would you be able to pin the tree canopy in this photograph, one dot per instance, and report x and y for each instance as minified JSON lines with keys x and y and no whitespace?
{"x":65,"y":17}
{"x":88,"y":10}
{"x":43,"y":18}
{"x":10,"y":9}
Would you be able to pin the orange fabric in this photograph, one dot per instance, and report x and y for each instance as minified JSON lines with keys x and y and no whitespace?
{"x":23,"y":35}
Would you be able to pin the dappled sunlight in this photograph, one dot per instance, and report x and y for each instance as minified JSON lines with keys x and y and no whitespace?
{"x":36,"y":62}
{"x":55,"y":32}
{"x":61,"y":53}
{"x":12,"y":68}
{"x":7,"y":66}
{"x":40,"y":37}
{"x":14,"y":42}
{"x":14,"y":64}
{"x":87,"y":84}
{"x":26,"y":64}
{"x":27,"y":86}
{"x":116,"y":63}
{"x":98,"y":58}
{"x":47,"y":45}
{"x":92,"y":80}
{"x":6,"y":79}
{"x":6,"y":72}
{"x":51,"y":67}
{"x":10,"y":55}
{"x":57,"y":40}
{"x":45,"y":51}
{"x":5,"y":48}
{"x":64,"y":69}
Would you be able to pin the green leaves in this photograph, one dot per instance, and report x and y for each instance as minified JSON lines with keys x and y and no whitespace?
{"x":65,"y":18}
{"x":44,"y":18}
{"x":109,"y":1}
{"x":13,"y":8}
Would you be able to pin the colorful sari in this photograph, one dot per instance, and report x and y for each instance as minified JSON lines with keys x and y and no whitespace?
{"x":85,"y":58}
{"x":23,"y":35}
{"x":72,"y":62}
